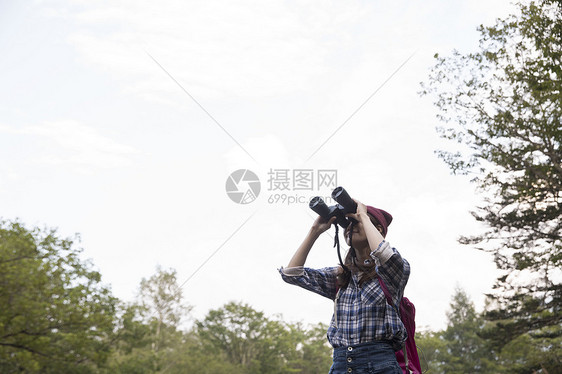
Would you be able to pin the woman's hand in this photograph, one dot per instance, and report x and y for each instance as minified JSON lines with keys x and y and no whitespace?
{"x":320,"y":225}
{"x":361,"y":210}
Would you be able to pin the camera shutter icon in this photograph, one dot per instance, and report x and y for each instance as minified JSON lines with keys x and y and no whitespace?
{"x":243,"y":186}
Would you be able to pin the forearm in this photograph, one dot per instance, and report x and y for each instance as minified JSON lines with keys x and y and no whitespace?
{"x":374,"y":237}
{"x":299,"y":258}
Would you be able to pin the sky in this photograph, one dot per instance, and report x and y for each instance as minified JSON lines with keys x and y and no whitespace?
{"x":121,"y":121}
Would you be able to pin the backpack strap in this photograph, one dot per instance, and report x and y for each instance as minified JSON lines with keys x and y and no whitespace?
{"x":385,"y":291}
{"x":389,"y":300}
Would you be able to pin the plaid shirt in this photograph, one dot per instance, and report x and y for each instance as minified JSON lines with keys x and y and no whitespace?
{"x":361,"y":314}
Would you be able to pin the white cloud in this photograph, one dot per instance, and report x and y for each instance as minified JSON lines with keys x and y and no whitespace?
{"x":73,"y":144}
{"x":214,"y":49}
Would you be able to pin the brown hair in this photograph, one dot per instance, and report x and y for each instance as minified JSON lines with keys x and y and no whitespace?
{"x":368,"y":271}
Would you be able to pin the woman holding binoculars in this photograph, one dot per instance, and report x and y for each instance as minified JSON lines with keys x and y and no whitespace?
{"x":365,"y":330}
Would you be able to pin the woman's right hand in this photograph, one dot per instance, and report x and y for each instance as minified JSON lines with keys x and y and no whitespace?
{"x":320,"y":224}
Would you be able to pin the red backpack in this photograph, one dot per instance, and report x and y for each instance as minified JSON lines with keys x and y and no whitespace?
{"x":407,"y":358}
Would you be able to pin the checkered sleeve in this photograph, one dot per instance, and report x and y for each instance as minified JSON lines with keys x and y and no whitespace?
{"x":393,"y":269}
{"x":321,"y":281}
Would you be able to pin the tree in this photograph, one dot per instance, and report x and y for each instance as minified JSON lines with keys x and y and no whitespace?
{"x":161,"y":303}
{"x":314,"y":354}
{"x":503,"y":104}
{"x":253,"y":343}
{"x":467,"y":352}
{"x":150,"y":336}
{"x":55,"y":316}
{"x":459,"y":348}
{"x":132,"y":349}
{"x":238,"y":333}
{"x":432,"y":350}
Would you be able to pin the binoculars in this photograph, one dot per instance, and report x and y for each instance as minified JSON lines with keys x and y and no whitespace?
{"x":345,"y":205}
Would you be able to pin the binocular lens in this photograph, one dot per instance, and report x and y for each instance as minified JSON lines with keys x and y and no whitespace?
{"x":342,"y":197}
{"x":319,"y":207}
{"x":337,"y":192}
{"x":345,"y":205}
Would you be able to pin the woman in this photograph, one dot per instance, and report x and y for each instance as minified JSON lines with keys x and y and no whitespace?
{"x":365,"y":330}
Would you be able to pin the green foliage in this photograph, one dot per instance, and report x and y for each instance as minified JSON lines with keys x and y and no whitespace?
{"x":150,"y":337}
{"x":432,"y":349}
{"x":526,"y":352}
{"x":255,"y":344}
{"x":232,"y":339}
{"x":467,"y":351}
{"x":469,"y":345}
{"x":503,"y":104}
{"x":56,"y":316}
{"x":459,"y":348}
{"x":314,"y":353}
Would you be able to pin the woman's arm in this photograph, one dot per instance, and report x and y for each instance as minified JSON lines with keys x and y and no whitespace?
{"x":318,"y":227}
{"x":322,"y":281}
{"x":374,"y":237}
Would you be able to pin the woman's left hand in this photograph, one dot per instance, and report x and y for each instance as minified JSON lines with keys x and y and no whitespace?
{"x":361,"y":208}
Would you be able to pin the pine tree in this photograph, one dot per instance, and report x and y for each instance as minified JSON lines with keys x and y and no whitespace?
{"x":503,"y":105}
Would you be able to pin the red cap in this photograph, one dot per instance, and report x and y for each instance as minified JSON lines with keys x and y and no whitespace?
{"x":383,"y":218}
